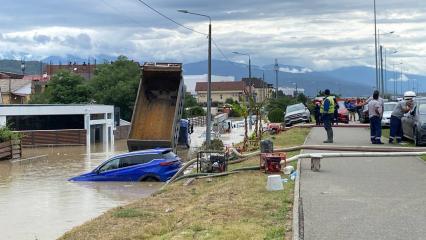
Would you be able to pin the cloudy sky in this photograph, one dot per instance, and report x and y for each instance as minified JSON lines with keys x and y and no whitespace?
{"x":318,"y":34}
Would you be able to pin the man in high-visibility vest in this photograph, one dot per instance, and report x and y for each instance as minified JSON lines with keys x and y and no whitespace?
{"x":327,"y":112}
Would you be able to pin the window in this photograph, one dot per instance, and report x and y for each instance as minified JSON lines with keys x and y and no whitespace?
{"x":221,"y":97}
{"x":109,"y":115}
{"x":137,"y":159}
{"x":111,"y":165}
{"x":97,"y":116}
{"x":169,"y":155}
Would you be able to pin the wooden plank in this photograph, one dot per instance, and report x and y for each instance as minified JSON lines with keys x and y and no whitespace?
{"x":4,"y":155}
{"x":5,"y":149}
{"x":5,"y":144}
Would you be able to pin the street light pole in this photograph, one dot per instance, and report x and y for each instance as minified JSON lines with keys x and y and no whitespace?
{"x":209,"y":78}
{"x":250,"y":85}
{"x":375,"y":44}
{"x":276,"y":68}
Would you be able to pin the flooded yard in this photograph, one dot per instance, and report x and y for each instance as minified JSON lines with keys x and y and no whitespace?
{"x":37,"y":201}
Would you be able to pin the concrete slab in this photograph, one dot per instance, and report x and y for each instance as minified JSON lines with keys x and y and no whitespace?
{"x":362,"y":198}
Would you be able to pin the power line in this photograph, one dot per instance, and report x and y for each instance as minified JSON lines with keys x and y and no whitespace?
{"x":170,"y":19}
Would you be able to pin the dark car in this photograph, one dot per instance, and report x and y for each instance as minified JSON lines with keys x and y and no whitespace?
{"x":158,"y":164}
{"x":414,"y":122}
{"x":363,"y":114}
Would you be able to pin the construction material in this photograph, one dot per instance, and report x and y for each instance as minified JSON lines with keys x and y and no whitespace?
{"x":158,"y":107}
{"x":274,"y":183}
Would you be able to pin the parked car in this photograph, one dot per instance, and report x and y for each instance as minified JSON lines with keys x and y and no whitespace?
{"x":342,"y":112}
{"x":158,"y":164}
{"x":363,"y":114}
{"x":414,"y":122}
{"x":388,"y":109}
{"x":296,"y":113}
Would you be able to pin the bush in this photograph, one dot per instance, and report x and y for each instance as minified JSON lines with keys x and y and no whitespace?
{"x":196,"y":111}
{"x":276,"y":115}
{"x":6,"y":135}
{"x":215,"y":144}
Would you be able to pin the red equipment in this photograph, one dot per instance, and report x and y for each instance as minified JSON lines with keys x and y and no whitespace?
{"x":271,"y":162}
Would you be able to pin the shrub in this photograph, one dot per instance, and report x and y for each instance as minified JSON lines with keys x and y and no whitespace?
{"x":215,"y":144}
{"x":196,"y":111}
{"x":276,"y":115}
{"x":6,"y":134}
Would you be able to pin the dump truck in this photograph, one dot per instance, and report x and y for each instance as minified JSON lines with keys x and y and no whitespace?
{"x":158,"y":107}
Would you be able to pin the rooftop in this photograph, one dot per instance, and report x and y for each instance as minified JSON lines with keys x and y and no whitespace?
{"x":221,"y":86}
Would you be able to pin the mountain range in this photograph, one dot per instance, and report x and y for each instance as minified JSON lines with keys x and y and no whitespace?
{"x":347,"y":81}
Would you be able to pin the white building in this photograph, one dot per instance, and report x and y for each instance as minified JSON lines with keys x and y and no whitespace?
{"x":60,"y":124}
{"x":288,"y":91}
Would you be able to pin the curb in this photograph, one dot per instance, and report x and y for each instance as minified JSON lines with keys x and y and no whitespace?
{"x":297,"y":224}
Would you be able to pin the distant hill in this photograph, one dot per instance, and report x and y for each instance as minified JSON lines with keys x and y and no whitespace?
{"x":305,"y":78}
{"x":348,"y":81}
{"x":31,"y":67}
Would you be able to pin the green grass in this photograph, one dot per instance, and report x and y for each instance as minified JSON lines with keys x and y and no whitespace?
{"x":423,"y":157}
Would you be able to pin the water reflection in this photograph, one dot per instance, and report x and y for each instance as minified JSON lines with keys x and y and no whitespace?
{"x":37,"y":201}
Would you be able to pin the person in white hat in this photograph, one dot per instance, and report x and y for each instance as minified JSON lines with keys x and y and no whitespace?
{"x":401,"y":108}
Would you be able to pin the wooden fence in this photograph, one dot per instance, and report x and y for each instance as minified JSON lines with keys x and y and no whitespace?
{"x":10,"y":150}
{"x":198,"y":121}
{"x":54,"y":137}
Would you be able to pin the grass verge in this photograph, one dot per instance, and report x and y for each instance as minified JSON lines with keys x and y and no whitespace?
{"x":232,"y":207}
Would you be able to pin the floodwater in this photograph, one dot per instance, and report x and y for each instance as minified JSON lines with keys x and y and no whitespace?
{"x":37,"y":201}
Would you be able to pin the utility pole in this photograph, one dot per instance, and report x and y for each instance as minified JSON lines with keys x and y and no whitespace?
{"x":375,"y":45}
{"x":382,"y":88}
{"x":276,"y":69}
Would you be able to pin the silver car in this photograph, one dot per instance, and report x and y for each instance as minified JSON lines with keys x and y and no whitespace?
{"x":388,"y":109}
{"x":296,"y":113}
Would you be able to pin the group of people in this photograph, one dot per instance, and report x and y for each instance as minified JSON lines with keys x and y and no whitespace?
{"x":375,"y":106}
{"x":318,"y":115}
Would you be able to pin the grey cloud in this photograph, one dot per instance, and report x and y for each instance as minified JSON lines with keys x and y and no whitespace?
{"x":82,"y":41}
{"x":43,"y":39}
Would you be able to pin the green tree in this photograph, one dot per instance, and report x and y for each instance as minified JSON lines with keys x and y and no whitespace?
{"x":117,"y":84}
{"x":276,"y":115}
{"x":190,"y":101}
{"x":64,"y":88}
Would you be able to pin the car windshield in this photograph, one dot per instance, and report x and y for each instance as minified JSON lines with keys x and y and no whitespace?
{"x":169,"y":155}
{"x":389,"y":106}
{"x":297,"y":107}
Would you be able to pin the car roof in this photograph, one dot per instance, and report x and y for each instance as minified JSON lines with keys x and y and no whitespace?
{"x":144,"y":152}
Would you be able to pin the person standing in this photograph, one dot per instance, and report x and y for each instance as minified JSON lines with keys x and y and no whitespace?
{"x":351,"y":108}
{"x":317,"y":110}
{"x":401,"y":108}
{"x":375,"y":111}
{"x":327,"y":112}
{"x":336,"y":111}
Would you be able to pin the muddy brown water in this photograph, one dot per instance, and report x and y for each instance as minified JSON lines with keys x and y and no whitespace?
{"x":37,"y":201}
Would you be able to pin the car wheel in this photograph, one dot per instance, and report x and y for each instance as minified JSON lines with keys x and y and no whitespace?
{"x":150,"y":179}
{"x":416,"y":137}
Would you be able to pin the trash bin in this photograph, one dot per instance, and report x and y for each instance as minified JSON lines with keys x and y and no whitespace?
{"x":266,"y":146}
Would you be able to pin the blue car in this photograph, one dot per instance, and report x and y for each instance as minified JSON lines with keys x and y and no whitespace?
{"x":158,"y":164}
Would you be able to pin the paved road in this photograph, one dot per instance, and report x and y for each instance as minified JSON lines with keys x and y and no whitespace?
{"x":363,"y":198}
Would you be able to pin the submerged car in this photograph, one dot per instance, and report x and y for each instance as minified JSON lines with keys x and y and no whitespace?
{"x":388,"y":108}
{"x":414,"y":122}
{"x":296,"y":113}
{"x":158,"y":164}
